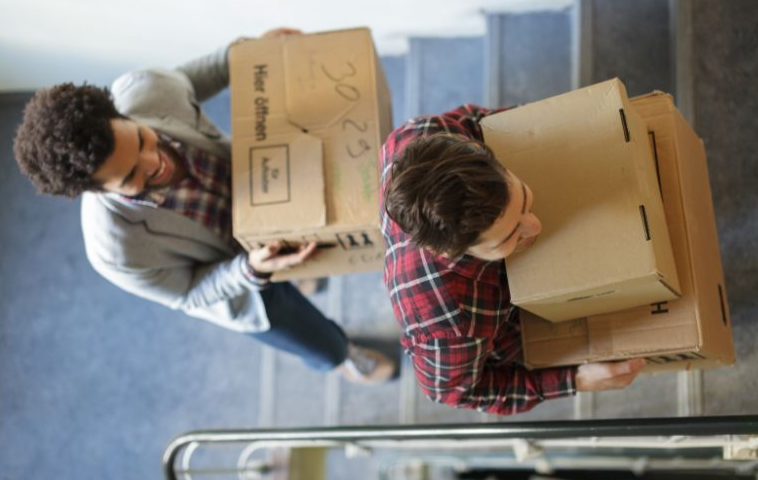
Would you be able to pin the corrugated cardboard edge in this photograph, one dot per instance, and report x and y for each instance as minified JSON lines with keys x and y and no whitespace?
{"x":717,"y":282}
{"x":568,"y":294}
{"x":724,"y":353}
{"x":604,"y":356}
{"x":655,"y":219}
{"x":372,"y":265}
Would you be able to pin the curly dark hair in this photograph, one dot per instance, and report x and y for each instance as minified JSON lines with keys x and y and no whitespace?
{"x":445,"y":191}
{"x":64,"y":138}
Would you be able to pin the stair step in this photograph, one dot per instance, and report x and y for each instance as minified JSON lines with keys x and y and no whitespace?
{"x":368,"y":317}
{"x":642,"y":62}
{"x":218,"y":109}
{"x":394,"y":70}
{"x":648,"y":396}
{"x":528,"y":56}
{"x":444,"y":73}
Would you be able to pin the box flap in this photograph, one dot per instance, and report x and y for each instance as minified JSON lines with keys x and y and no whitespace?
{"x":283,"y":201}
{"x":323,"y":76}
{"x":577,"y":117}
{"x":690,"y":214}
{"x":653,"y":104}
{"x":587,"y":158}
{"x":609,"y":298}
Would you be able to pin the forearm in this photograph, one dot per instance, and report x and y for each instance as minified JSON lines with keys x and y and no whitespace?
{"x":208,"y":74}
{"x":218,"y":282}
{"x":512,"y":389}
{"x":186,"y":287}
{"x":461,"y":376}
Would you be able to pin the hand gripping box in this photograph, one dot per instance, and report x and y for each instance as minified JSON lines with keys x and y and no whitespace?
{"x":604,"y":246}
{"x":309,"y":115}
{"x":691,"y":332}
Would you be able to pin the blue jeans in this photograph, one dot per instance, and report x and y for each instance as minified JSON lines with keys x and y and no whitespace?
{"x":298,"y":327}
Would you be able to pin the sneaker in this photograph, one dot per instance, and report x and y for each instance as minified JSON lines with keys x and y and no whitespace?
{"x":366,"y":366}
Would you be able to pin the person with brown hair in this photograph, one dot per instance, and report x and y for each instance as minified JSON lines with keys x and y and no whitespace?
{"x":451,"y":213}
{"x":154,"y":174}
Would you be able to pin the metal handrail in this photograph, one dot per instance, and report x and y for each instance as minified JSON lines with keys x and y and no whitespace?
{"x":649,"y":427}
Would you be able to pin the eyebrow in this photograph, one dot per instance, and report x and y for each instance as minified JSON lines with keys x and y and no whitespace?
{"x":140,"y":142}
{"x":523,"y":211}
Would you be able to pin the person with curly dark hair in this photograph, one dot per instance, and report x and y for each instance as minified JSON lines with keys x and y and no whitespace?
{"x":65,"y":137}
{"x":154,"y":174}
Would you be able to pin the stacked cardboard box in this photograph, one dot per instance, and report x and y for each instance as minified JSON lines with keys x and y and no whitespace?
{"x":693,"y":331}
{"x":605,"y":245}
{"x":309,"y":114}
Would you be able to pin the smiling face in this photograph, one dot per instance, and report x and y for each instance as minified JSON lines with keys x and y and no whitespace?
{"x":515,"y":230}
{"x":139,"y":162}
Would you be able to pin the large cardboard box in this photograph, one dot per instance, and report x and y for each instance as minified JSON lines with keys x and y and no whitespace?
{"x":309,"y":115}
{"x":605,"y":245}
{"x":691,"y":332}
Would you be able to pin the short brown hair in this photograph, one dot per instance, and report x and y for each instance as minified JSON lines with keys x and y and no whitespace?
{"x":445,"y":191}
{"x":64,"y":138}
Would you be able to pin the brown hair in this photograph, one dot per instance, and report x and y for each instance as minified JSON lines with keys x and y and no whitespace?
{"x":445,"y":191}
{"x":64,"y":138}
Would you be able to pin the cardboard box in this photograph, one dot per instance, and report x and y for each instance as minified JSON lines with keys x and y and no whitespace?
{"x":604,"y":246}
{"x":309,"y":114}
{"x":691,"y":332}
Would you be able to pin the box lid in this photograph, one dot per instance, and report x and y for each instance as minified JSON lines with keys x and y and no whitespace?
{"x":292,"y":202}
{"x":587,"y":158}
{"x":323,"y":76}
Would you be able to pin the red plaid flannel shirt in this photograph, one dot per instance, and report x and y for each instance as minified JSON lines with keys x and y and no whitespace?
{"x":459,"y":326}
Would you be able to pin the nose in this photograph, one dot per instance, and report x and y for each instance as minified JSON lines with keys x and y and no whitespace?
{"x":530,"y":226}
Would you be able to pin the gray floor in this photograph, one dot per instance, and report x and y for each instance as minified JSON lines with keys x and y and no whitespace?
{"x":94,"y":382}
{"x":725,"y":68}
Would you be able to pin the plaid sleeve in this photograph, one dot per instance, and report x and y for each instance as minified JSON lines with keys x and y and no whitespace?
{"x":468,"y":116}
{"x":460,"y":372}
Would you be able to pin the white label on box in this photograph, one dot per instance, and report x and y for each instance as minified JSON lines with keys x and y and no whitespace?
{"x":269,"y":175}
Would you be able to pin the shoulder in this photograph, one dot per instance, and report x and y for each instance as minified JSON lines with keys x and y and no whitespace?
{"x":95,"y":212}
{"x":463,"y":120}
{"x":436,"y":298}
{"x":423,"y":292}
{"x":114,"y":234}
{"x":141,"y":92}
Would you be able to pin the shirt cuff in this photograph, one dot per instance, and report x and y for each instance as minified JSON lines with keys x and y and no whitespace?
{"x":556,"y":382}
{"x":566,"y":384}
{"x":571,"y":379}
{"x":258,"y":280}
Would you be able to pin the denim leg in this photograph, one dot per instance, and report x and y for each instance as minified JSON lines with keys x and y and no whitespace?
{"x":298,"y":327}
